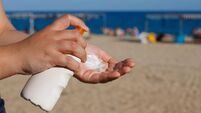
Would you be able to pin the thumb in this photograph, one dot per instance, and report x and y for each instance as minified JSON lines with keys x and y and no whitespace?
{"x":65,"y":21}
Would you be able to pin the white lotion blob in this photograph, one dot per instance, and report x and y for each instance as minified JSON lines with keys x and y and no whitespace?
{"x":94,"y":63}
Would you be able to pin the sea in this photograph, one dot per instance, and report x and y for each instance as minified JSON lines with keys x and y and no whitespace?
{"x":174,"y":22}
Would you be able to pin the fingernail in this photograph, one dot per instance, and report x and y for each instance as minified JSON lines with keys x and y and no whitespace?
{"x":84,"y":60}
{"x":86,"y":27}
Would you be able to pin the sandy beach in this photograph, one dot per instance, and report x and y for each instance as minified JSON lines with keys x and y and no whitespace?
{"x":166,"y":79}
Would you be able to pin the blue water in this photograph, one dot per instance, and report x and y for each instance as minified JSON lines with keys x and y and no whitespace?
{"x":98,"y":20}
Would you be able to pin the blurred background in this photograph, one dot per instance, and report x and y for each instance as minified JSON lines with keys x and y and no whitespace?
{"x":163,"y":37}
{"x":168,"y":21}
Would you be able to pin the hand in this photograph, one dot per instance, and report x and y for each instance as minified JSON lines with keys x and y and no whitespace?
{"x":114,"y":70}
{"x":47,"y":48}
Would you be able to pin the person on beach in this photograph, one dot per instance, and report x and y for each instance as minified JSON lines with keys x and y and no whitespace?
{"x":28,"y":55}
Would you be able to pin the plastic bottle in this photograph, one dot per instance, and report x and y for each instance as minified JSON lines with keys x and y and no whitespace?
{"x":45,"y":88}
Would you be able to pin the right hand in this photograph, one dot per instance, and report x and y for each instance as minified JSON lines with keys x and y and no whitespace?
{"x":48,"y":47}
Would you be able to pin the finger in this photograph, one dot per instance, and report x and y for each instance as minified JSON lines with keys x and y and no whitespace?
{"x":104,"y":77}
{"x":104,"y":56}
{"x":73,"y":48}
{"x":123,"y":67}
{"x":124,"y":70}
{"x":65,"y":21}
{"x":111,"y":64}
{"x":69,"y":63}
{"x":74,"y":21}
{"x":129,"y":62}
{"x":94,"y":77}
{"x":72,"y":35}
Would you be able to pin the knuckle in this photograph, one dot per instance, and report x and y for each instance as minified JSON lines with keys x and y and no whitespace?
{"x":64,"y":45}
{"x":67,"y":16}
{"x":74,"y":46}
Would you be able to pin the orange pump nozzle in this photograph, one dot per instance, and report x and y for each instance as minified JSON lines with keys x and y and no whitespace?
{"x":81,"y":30}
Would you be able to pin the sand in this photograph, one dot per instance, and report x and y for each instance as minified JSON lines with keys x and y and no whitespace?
{"x":166,"y":79}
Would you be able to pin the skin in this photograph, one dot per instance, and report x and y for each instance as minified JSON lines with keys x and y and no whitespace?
{"x":113,"y":71}
{"x":23,"y":54}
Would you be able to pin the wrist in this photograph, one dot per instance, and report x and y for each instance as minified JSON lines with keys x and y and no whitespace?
{"x":10,"y":61}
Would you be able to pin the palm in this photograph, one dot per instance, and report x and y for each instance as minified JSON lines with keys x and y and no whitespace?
{"x":113,"y":71}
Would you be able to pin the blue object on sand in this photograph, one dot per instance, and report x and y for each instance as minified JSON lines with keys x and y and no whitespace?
{"x":180,"y":39}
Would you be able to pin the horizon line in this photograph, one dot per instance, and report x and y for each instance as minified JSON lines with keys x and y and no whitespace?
{"x":140,"y":11}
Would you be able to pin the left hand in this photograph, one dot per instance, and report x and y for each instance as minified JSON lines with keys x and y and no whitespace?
{"x":114,"y":70}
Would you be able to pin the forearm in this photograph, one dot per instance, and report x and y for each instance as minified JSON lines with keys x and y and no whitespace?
{"x":8,"y":33}
{"x":11,"y":36}
{"x":9,"y":61}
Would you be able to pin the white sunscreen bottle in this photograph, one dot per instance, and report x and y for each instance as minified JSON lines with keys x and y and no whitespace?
{"x":45,"y":88}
